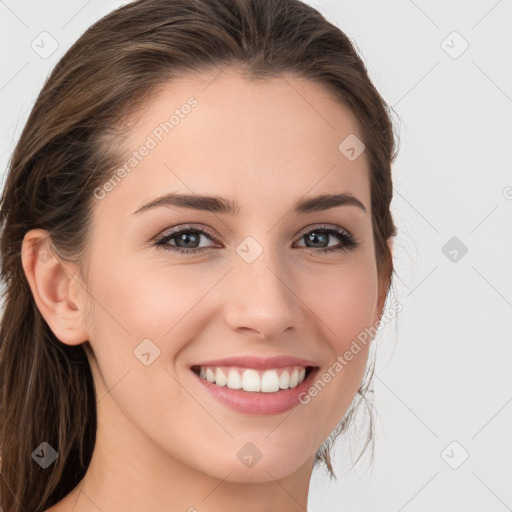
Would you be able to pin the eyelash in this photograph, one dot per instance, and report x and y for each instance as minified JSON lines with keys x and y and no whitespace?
{"x":349,"y":241}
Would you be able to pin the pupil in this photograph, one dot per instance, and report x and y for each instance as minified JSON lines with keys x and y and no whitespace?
{"x":185,"y":237}
{"x":314,"y":237}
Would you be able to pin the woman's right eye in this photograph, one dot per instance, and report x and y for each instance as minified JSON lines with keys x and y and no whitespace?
{"x":183,"y":237}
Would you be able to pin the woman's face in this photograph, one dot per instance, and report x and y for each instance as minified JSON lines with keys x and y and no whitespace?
{"x":259,"y":285}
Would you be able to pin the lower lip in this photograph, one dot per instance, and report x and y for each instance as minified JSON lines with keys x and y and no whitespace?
{"x":253,"y":402}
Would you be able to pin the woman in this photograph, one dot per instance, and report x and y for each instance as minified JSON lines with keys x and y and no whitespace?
{"x":195,"y":233}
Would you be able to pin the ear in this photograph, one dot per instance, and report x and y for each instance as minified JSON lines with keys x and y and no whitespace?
{"x":391,"y":242}
{"x":383,"y":286}
{"x":54,"y":287}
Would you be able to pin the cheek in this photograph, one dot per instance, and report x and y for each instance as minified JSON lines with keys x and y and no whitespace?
{"x":141,"y":300}
{"x":143,"y":310}
{"x":343,"y":302}
{"x":344,"y":299}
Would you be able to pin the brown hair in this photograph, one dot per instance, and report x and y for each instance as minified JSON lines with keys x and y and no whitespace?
{"x":47,"y":390}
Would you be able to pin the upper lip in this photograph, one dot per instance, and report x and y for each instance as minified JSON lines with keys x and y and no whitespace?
{"x":259,"y":363}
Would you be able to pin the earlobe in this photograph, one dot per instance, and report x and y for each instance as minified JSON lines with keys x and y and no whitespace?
{"x":53,"y":288}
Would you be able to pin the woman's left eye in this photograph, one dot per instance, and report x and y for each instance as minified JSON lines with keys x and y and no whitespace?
{"x":187,"y":239}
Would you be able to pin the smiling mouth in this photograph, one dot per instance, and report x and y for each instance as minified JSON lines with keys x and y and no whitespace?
{"x":249,"y":379}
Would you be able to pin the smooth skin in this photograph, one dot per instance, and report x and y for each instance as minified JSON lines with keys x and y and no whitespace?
{"x":163,"y":444}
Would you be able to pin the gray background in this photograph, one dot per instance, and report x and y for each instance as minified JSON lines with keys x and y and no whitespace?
{"x":443,"y":390}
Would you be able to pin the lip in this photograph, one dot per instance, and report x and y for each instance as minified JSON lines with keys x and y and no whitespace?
{"x":253,"y":402}
{"x":258,"y":363}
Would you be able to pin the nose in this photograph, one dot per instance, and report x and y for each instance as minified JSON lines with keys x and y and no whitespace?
{"x":261,"y":299}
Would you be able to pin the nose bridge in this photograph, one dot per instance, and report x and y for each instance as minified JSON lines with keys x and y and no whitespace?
{"x":262,"y":296}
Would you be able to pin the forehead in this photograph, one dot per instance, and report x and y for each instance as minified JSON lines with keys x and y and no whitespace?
{"x":224,"y":134}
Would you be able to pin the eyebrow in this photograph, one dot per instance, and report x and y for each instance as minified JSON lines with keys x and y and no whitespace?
{"x":217,"y":204}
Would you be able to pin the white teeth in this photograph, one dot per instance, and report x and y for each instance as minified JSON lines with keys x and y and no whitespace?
{"x":294,"y":378}
{"x":220,"y":377}
{"x":284,"y":380}
{"x":249,"y":379}
{"x":270,"y":381}
{"x":234,"y":379}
